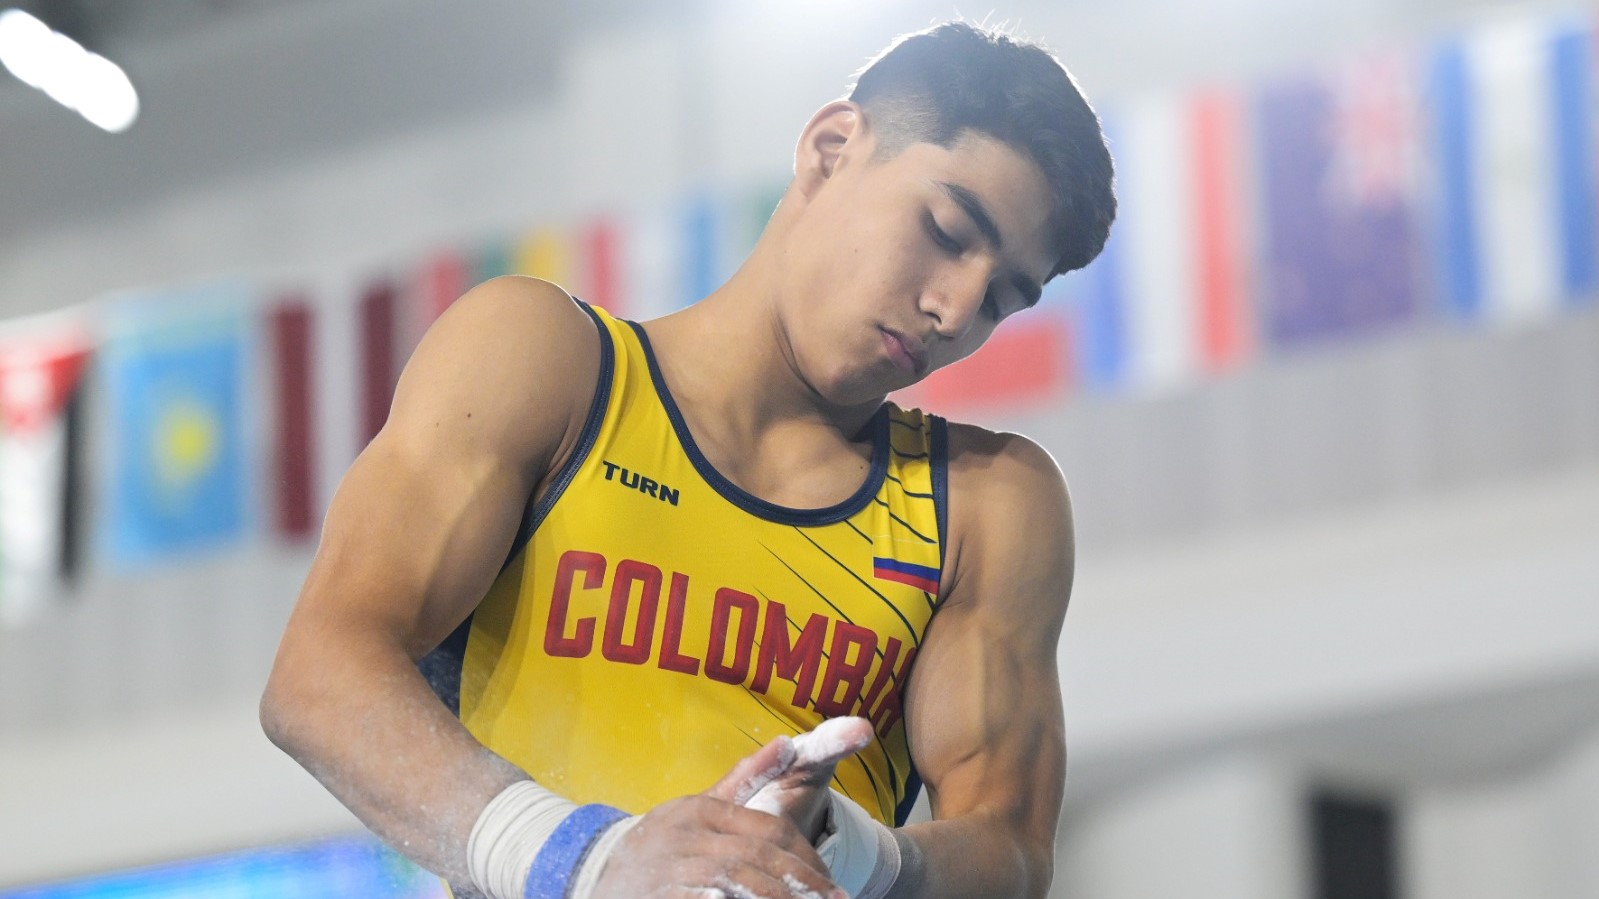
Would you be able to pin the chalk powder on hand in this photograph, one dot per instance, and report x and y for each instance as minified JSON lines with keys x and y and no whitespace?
{"x":832,"y":740}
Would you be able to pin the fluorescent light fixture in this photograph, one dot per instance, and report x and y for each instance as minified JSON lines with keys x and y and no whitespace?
{"x":88,"y":83}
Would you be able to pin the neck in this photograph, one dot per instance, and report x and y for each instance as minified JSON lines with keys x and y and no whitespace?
{"x":729,"y":357}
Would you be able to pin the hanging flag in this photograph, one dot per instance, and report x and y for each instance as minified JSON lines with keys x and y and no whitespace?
{"x":1156,"y":212}
{"x":599,"y":283}
{"x":338,"y":389}
{"x":40,"y":368}
{"x":423,"y":295}
{"x":491,"y":262}
{"x":546,"y":253}
{"x":294,"y":456}
{"x":1512,"y":135}
{"x":1342,"y":236}
{"x":440,"y":283}
{"x":1221,"y":232}
{"x":175,"y":387}
{"x":1099,"y":301}
{"x":652,"y":263}
{"x":1167,"y":301}
{"x":758,"y":208}
{"x":380,"y":369}
{"x":705,"y":246}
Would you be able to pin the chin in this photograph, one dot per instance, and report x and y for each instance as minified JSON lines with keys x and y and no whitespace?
{"x":858,"y":393}
{"x":842,"y":381}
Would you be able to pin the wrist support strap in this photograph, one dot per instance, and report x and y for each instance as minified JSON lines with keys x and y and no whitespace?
{"x":861,"y":854}
{"x":528,"y":843}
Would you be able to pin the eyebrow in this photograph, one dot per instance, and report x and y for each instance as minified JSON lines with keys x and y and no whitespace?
{"x":974,"y":208}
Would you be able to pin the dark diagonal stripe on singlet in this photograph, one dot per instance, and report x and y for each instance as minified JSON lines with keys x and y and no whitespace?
{"x":857,"y":530}
{"x":903,"y":523}
{"x":790,"y":620}
{"x":823,"y":597}
{"x":907,"y":492}
{"x":819,"y":594}
{"x":915,"y":639}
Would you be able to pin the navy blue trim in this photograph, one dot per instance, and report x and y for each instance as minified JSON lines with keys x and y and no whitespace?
{"x":913,"y":789}
{"x":938,"y":454}
{"x":750,"y":502}
{"x":534,"y":516}
{"x":442,"y":667}
{"x":563,"y":852}
{"x":940,"y":464}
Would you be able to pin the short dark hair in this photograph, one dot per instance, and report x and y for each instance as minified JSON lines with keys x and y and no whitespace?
{"x":933,"y":85}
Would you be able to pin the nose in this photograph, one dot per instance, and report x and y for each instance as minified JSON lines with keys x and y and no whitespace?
{"x":953,"y":300}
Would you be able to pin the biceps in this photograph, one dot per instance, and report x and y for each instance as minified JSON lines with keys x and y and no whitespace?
{"x":409,"y":547}
{"x":985,"y":722}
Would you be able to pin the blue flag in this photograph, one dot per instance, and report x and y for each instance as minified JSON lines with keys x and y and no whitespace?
{"x":175,"y":389}
{"x":1344,"y":246}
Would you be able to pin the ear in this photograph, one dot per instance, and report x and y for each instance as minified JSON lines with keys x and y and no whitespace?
{"x":834,"y":133}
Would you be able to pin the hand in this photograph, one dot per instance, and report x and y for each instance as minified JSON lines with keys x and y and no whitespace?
{"x":796,"y":786}
{"x":710,"y":847}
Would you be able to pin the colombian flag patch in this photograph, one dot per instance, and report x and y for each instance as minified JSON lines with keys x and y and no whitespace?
{"x":919,"y":576}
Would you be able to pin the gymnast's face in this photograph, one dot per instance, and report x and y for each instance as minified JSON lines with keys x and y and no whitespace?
{"x":901,"y":264}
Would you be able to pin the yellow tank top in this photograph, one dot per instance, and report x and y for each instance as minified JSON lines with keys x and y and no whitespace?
{"x":655,"y":623}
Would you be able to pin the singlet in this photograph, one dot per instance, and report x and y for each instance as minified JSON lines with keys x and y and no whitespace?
{"x":655,"y":623}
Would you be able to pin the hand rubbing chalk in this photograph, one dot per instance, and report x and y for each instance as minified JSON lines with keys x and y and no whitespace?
{"x":831,"y":742}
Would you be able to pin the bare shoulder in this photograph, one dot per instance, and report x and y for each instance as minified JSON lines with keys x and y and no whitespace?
{"x":512,"y":315}
{"x":999,"y":475}
{"x":517,"y":356}
{"x":1010,"y":515}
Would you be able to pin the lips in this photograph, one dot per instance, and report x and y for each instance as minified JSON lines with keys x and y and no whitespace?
{"x":906,"y":351}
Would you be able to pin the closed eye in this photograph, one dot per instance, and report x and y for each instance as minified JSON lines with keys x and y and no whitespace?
{"x":940,"y":237}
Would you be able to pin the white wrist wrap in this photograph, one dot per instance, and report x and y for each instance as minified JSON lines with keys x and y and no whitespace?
{"x":861,"y":854}
{"x":508,"y":835}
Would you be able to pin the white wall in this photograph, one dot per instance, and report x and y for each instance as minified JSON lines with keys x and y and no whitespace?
{"x":1227,"y":826}
{"x":1529,"y":835}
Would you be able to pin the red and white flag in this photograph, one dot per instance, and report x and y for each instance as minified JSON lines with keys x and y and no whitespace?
{"x":40,"y":372}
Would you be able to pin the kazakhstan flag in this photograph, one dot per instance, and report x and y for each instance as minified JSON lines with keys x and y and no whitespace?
{"x":175,"y":388}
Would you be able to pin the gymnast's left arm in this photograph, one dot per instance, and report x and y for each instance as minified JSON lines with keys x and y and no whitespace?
{"x":983,"y":706}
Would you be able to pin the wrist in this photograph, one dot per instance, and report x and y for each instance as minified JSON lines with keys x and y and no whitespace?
{"x":861,"y":853}
{"x":556,"y":868}
{"x":529,"y":843}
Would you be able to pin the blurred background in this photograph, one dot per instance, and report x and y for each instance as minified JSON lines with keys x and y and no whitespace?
{"x":1329,"y":402}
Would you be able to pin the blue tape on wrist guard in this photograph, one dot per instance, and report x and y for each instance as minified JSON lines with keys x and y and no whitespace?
{"x":558,"y":861}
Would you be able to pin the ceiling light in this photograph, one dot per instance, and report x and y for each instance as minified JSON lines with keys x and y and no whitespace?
{"x":95,"y":87}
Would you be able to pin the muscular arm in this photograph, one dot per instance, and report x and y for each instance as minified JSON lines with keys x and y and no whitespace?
{"x":415,"y":535}
{"x":983,"y":707}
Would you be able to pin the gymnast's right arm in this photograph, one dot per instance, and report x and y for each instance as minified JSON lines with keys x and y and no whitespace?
{"x":491,"y":403}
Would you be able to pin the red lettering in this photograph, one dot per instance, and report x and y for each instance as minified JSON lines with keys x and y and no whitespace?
{"x":728,"y":599}
{"x":581,"y":642}
{"x":887,"y":713}
{"x":628,"y":573}
{"x":845,"y":672}
{"x":671,"y":658}
{"x":797,"y":661}
{"x":890,"y":656}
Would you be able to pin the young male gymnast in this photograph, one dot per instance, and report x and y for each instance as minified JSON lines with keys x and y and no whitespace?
{"x":697,"y":611}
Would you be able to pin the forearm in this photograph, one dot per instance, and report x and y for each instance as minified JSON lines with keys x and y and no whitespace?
{"x":967,"y":858}
{"x":362,"y":720}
